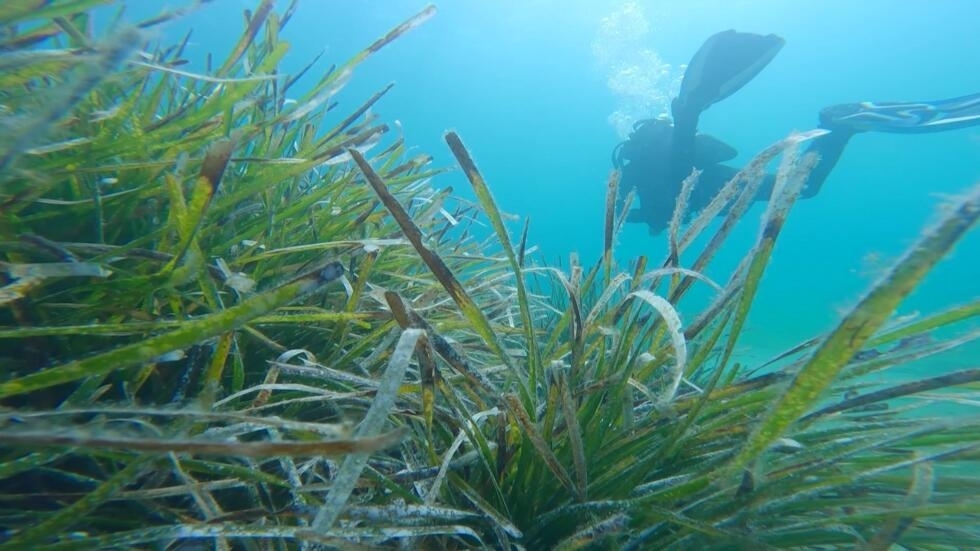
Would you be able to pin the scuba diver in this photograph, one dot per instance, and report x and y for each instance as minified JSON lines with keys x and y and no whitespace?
{"x":660,"y":153}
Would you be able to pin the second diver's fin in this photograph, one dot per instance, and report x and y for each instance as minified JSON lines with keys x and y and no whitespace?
{"x":914,"y":117}
{"x":725,"y":62}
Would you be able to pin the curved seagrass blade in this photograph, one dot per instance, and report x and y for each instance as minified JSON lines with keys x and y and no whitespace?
{"x":859,"y":325}
{"x":493,"y":213}
{"x":609,"y":225}
{"x":793,"y":171}
{"x":16,"y":11}
{"x":186,"y":335}
{"x":370,"y":427}
{"x":950,"y":316}
{"x":341,"y":446}
{"x":915,"y":387}
{"x":438,"y":267}
{"x":255,"y":23}
{"x":738,"y":195}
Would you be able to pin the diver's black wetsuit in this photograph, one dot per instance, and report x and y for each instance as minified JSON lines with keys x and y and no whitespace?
{"x":660,"y":153}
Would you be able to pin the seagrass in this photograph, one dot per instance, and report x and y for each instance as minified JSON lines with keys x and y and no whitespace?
{"x":234,"y":309}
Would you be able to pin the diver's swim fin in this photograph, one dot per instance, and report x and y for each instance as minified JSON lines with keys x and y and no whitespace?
{"x":903,"y":117}
{"x":725,"y":62}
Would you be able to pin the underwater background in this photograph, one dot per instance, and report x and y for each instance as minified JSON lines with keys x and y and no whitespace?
{"x":542,"y":90}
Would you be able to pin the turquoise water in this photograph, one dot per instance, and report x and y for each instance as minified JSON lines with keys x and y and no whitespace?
{"x":530,"y":85}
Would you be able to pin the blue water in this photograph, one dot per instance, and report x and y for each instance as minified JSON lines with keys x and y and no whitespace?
{"x":521,"y":83}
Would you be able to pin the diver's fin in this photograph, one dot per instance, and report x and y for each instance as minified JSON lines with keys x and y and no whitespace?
{"x":725,"y":62}
{"x":709,"y":150}
{"x":903,"y":117}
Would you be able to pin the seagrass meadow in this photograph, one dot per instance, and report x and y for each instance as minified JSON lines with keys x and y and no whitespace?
{"x":233,"y":316}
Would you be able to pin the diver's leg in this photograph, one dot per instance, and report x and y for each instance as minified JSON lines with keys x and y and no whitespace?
{"x":828,"y":148}
{"x":715,"y":177}
{"x":711,"y":181}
